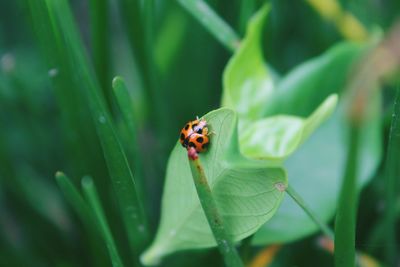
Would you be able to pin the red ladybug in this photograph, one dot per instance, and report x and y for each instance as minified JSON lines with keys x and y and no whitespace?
{"x":195,"y":134}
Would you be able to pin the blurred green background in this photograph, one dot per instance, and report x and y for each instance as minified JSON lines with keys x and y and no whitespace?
{"x":173,"y":69}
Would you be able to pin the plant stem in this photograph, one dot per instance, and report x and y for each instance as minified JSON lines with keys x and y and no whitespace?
{"x":212,"y":22}
{"x":392,"y":172}
{"x":226,"y":246}
{"x":345,"y":223}
{"x":300,"y":201}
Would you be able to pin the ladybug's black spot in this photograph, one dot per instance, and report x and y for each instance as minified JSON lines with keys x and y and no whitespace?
{"x":204,"y":146}
{"x":191,"y":144}
{"x":182,"y":136}
{"x":185,"y":142}
{"x":187,"y":126}
{"x":194,"y":125}
{"x":200,"y":139}
{"x":200,"y":131}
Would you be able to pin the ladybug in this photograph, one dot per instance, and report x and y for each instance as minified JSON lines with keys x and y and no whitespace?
{"x":195,"y":134}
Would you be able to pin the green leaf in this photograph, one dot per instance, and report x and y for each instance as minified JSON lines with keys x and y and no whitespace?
{"x":316,"y":169}
{"x":279,"y":136}
{"x":302,"y":90}
{"x":247,"y":192}
{"x":247,"y":83}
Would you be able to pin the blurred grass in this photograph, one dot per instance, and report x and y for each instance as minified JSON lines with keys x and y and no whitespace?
{"x":212,"y":22}
{"x":74,"y":57}
{"x":82,"y":209}
{"x":345,"y":220}
{"x":392,"y":172}
{"x":94,"y":202}
{"x":44,"y":130}
{"x":99,"y":41}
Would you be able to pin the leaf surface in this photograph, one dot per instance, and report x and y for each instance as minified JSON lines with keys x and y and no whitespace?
{"x":247,"y":82}
{"x":279,"y":136}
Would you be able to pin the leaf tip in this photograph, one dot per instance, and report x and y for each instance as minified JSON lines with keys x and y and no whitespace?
{"x":260,"y":15}
{"x":87,"y":182}
{"x":59,"y":174}
{"x":332,"y":100}
{"x":151,"y":256}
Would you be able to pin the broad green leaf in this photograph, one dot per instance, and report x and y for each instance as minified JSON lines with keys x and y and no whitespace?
{"x":247,"y":83}
{"x":247,"y":192}
{"x":302,"y":90}
{"x":316,"y":169}
{"x":280,"y":135}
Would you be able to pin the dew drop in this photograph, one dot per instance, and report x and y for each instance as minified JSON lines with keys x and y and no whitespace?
{"x":102,"y":119}
{"x":172,"y":233}
{"x":7,"y":62}
{"x":141,"y":228}
{"x":53,"y":72}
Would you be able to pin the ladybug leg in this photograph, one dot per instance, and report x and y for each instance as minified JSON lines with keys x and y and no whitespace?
{"x":211,"y":133}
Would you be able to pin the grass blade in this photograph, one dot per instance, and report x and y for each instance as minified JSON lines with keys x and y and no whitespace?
{"x":121,"y":176}
{"x":392,"y":173}
{"x":362,"y":87}
{"x":141,"y":30}
{"x":74,"y":198}
{"x":100,"y":44}
{"x":139,"y":19}
{"x":125,"y":105}
{"x":345,"y":224}
{"x":93,"y":199}
{"x":133,"y":16}
{"x":212,"y":22}
{"x":77,"y":123}
{"x":247,"y":8}
{"x":80,"y":206}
